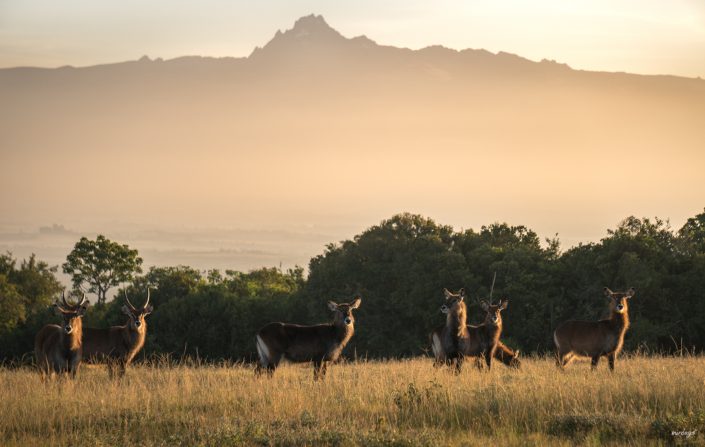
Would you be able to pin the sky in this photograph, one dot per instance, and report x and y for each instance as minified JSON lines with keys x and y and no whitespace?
{"x":197,"y":174}
{"x":638,"y":36}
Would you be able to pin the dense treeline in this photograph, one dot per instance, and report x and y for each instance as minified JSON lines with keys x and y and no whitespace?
{"x":400,"y":267}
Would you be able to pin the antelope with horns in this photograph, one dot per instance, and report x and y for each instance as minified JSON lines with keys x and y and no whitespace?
{"x":595,"y":339}
{"x":453,"y":335}
{"x":483,"y":339}
{"x":118,"y":345}
{"x":503,"y":353}
{"x":320,"y":344}
{"x":58,"y":348}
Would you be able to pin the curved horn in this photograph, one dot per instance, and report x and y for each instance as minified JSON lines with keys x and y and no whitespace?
{"x":146,"y":303}
{"x":494,"y":278}
{"x":63,"y":299}
{"x":83,"y":299}
{"x":128,"y":300}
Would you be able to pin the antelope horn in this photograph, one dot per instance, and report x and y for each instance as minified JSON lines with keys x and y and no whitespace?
{"x":83,"y":300}
{"x":494,"y":277}
{"x":63,"y":298}
{"x":146,"y":303}
{"x":128,"y":300}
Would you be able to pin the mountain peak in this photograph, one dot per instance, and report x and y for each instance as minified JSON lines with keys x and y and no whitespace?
{"x":312,"y":23}
{"x":308,"y":30}
{"x":312,"y":27}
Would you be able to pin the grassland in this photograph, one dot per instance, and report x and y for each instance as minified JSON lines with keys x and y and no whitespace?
{"x":366,"y":403}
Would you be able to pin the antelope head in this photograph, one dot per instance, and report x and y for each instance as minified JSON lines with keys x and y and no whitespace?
{"x":343,"y":311}
{"x":619,"y":300}
{"x":71,"y":313}
{"x":494,"y":311}
{"x":452,"y":300}
{"x":136,"y":315}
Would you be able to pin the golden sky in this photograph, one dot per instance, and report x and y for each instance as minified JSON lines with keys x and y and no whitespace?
{"x":639,"y":36}
{"x":312,"y":141}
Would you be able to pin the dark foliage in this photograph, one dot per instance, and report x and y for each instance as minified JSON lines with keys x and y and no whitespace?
{"x":400,"y":268}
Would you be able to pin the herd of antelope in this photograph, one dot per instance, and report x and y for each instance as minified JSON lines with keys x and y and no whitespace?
{"x":60,"y":349}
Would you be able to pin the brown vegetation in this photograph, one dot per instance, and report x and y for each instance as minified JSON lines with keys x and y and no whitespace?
{"x":403,"y":403}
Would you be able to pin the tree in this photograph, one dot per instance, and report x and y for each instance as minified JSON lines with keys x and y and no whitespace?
{"x":693,"y":233}
{"x":25,"y":295}
{"x":12,"y":309}
{"x":101,"y":264}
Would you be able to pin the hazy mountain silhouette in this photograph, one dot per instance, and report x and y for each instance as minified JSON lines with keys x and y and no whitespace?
{"x":314,"y":125}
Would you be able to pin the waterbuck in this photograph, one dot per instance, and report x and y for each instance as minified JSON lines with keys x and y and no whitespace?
{"x":118,"y":345}
{"x":58,"y":348}
{"x":453,"y":334}
{"x":595,"y":339}
{"x":503,"y":353}
{"x":320,"y":344}
{"x":483,"y":339}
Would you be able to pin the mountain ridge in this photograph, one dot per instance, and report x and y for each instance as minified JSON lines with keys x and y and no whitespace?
{"x":313,"y":30}
{"x":315,"y":124}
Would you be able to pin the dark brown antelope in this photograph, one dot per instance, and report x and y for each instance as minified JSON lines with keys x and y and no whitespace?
{"x":595,"y":339}
{"x":58,"y":348}
{"x":483,"y":339}
{"x":503,"y":353}
{"x":320,"y":344}
{"x":453,"y":334}
{"x":118,"y":345}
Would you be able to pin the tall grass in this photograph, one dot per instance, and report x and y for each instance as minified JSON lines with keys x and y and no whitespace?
{"x":406,"y":402}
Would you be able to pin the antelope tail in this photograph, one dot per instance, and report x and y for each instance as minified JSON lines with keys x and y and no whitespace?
{"x":555,"y":340}
{"x":436,"y":345}
{"x":262,"y":351}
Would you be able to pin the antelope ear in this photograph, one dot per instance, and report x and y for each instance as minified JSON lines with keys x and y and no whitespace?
{"x":126,"y":310}
{"x":608,"y":292}
{"x":447,"y":293}
{"x":516,"y":354}
{"x":631,"y":292}
{"x":148,"y":309}
{"x":332,"y":306}
{"x":504,"y":304}
{"x":484,"y":305}
{"x":461,"y":292}
{"x":356,"y":303}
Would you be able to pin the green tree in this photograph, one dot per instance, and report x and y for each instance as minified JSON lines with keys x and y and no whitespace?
{"x":25,"y":295}
{"x":693,"y":233}
{"x":12,"y":306}
{"x":101,"y":264}
{"x":399,"y":268}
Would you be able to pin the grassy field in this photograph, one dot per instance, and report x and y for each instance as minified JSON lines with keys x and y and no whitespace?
{"x":367,"y":403}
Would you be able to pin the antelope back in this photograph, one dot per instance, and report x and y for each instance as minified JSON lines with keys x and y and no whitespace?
{"x":593,"y":336}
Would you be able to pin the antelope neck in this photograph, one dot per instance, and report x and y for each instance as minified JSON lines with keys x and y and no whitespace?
{"x":457,"y":318}
{"x":620,"y":320}
{"x":74,"y":340}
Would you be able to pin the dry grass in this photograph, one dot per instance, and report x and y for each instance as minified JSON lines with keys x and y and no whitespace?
{"x":373,"y":403}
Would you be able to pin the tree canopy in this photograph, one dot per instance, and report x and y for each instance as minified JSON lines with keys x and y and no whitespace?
{"x":399,"y":268}
{"x":102,"y":264}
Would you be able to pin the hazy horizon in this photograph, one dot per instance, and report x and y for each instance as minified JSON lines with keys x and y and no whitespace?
{"x":262,"y":161}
